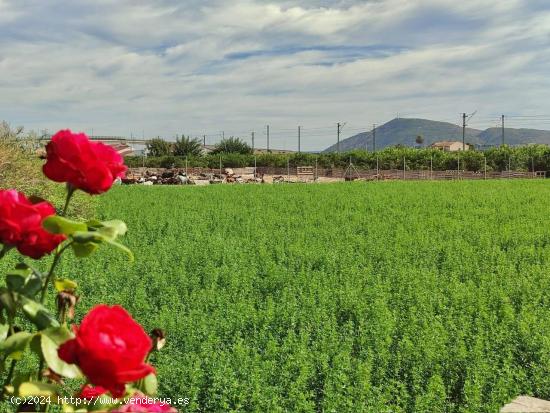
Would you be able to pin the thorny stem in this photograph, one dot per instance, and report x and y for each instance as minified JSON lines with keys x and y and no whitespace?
{"x":70,"y":191}
{"x":56,"y":259}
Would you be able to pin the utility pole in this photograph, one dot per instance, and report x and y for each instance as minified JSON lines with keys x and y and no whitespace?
{"x":338,"y":137}
{"x":267,"y":138}
{"x":374,"y":137}
{"x":299,"y":138}
{"x":463,"y":132}
{"x":502,"y":119}
{"x":203,"y":140}
{"x":465,"y":118}
{"x":252,"y":141}
{"x":340,"y":126}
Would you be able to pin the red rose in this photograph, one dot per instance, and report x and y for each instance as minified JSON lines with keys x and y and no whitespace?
{"x":140,"y":403}
{"x":86,"y":165}
{"x":90,"y":392}
{"x":110,"y":348}
{"x":21,"y":225}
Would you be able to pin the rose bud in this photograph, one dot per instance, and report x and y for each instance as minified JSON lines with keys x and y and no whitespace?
{"x":159,"y":338}
{"x":66,"y":303}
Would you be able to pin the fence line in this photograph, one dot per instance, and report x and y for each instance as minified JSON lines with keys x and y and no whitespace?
{"x":347,"y":174}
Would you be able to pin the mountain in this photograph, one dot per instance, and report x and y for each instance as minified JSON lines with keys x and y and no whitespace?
{"x":403,"y":131}
{"x":493,"y":136}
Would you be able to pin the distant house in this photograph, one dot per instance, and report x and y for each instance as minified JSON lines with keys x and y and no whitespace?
{"x":450,"y":146}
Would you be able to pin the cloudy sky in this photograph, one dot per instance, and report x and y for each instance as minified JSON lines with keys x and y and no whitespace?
{"x":118,"y":67}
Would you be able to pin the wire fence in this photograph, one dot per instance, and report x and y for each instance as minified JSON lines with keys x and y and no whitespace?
{"x":313,"y":173}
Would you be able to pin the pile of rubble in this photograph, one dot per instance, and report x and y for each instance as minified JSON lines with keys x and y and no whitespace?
{"x":180,"y":177}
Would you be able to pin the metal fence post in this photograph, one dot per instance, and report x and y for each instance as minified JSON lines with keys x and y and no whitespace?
{"x":316,"y":176}
{"x":288,"y":169}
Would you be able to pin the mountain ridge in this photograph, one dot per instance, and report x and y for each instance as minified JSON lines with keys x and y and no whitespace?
{"x":403,"y":131}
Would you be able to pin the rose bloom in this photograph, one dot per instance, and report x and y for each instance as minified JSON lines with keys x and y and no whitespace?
{"x":88,"y":392}
{"x":21,"y":225}
{"x":86,"y":165}
{"x":110,"y":348}
{"x":140,"y":403}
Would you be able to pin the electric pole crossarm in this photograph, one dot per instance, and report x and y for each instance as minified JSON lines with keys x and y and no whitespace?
{"x":339,"y":127}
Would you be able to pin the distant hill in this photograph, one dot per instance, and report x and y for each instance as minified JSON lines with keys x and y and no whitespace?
{"x":492,"y":136}
{"x":404,"y":132}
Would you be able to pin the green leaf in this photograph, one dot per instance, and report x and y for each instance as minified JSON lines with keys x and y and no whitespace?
{"x":16,"y":344}
{"x":38,"y":314}
{"x":15,"y":280}
{"x":65,"y":285}
{"x":83,"y":237}
{"x":58,"y":334}
{"x":49,"y":351}
{"x":60,"y":225}
{"x":123,"y":248}
{"x":37,"y":388}
{"x":32,"y":286}
{"x":24,"y":280}
{"x":150,"y":384}
{"x":110,"y":229}
{"x":87,"y":242}
{"x":7,"y":300}
{"x":35,"y":345}
{"x":85,"y":249}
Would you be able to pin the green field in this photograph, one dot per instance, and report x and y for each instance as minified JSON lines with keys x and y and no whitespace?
{"x":380,"y":297}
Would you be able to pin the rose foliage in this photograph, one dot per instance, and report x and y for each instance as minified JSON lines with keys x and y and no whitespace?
{"x":108,"y":350}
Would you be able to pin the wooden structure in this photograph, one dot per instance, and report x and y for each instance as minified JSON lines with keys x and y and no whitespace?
{"x":305,"y":173}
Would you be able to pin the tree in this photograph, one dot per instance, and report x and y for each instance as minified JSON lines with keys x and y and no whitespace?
{"x":158,"y":147}
{"x":232,"y":145}
{"x":187,"y":147}
{"x":419,"y":140}
{"x":7,"y":133}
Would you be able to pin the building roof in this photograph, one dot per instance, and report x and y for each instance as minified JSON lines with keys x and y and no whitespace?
{"x":446,"y":143}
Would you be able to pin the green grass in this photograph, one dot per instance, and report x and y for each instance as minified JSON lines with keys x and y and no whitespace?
{"x":379,"y":297}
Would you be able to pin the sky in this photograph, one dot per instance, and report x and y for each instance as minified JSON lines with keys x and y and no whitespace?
{"x":200,"y":67}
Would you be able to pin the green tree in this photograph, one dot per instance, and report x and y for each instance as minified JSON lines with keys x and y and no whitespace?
{"x":232,"y":145}
{"x":187,"y":146}
{"x":419,"y":140}
{"x":158,"y":147}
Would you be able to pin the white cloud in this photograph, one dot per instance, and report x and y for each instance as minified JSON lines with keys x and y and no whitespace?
{"x":169,"y":67}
